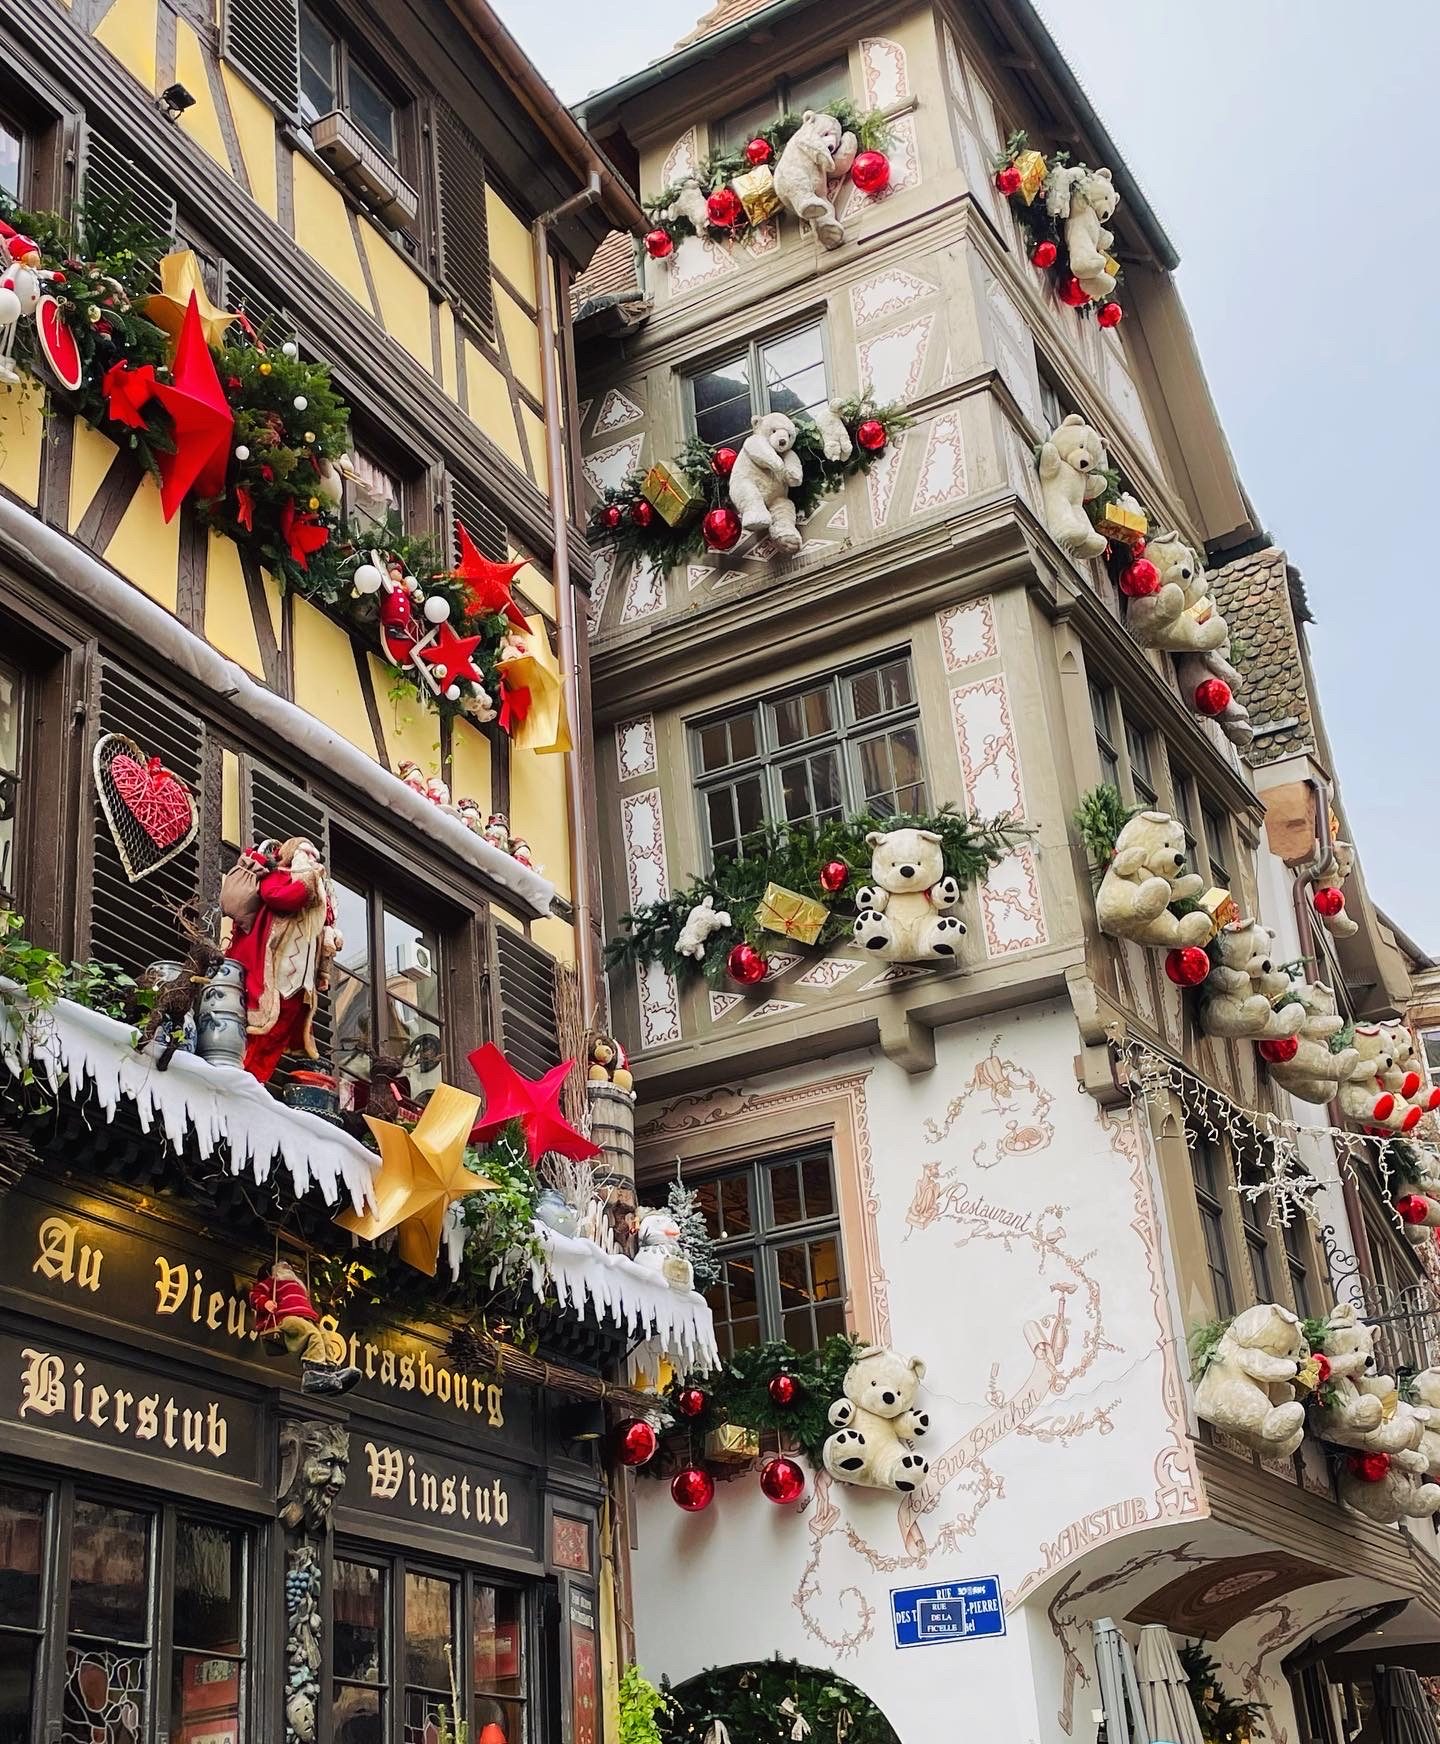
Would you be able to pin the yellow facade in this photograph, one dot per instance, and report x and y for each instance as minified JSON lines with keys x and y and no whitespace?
{"x":22,"y":439}
{"x":229,"y":622}
{"x":145,"y":548}
{"x":202,"y":119}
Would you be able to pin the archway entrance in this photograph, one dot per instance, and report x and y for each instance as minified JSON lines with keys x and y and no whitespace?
{"x":768,"y":1699}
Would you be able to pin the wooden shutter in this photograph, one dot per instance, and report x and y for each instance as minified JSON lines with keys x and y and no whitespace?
{"x":134,"y":924}
{"x":265,"y":313}
{"x":481,"y":522}
{"x":111,"y":172}
{"x":462,"y":222}
{"x":529,"y":1032}
{"x":262,"y":38}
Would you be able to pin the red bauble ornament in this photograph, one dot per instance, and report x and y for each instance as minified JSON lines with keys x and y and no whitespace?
{"x":870,"y":172}
{"x":1109,"y":315}
{"x":721,"y":528}
{"x":870,"y":434}
{"x":1322,"y":1367}
{"x":659,"y":243}
{"x":1212,"y":697}
{"x":636,"y":1442}
{"x":782,"y":1480}
{"x":759,"y":151}
{"x":1277,"y":1052}
{"x":722,"y":462}
{"x":1043,"y":255}
{"x":641,"y":513}
{"x":724,"y":208}
{"x":1073,"y":293}
{"x":1329,"y":902}
{"x":1139,"y":578}
{"x":1009,"y":181}
{"x":612,"y":515}
{"x":691,"y":1401}
{"x":746,"y":965}
{"x":1188,"y":966}
{"x":833,"y":876}
{"x":693,"y":1489}
{"x":1370,"y":1468}
{"x":1412,"y":1208}
{"x":783,"y":1389}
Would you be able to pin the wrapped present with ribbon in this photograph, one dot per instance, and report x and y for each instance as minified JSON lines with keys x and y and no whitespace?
{"x":1122,"y":524}
{"x":1033,"y":169}
{"x":532,"y":700}
{"x":731,"y":1444}
{"x":1222,"y":908}
{"x":788,"y":912}
{"x":756,"y":189}
{"x":670,"y":494}
{"x":1112,"y":266}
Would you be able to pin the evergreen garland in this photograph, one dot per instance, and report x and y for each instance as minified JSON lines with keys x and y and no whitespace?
{"x":1099,"y":818}
{"x":791,"y":855}
{"x":684,"y":1206}
{"x":1038,"y":224}
{"x":1223,"y":1720}
{"x":748,"y":1701}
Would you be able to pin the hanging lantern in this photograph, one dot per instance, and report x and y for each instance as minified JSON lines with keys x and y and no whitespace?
{"x":870,"y":172}
{"x":1188,"y":966}
{"x":782,"y":1480}
{"x":636,"y":1442}
{"x":692,"y":1489}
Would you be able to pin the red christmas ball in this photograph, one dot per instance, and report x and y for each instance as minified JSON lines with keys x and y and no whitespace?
{"x":724,"y":208}
{"x":1138,"y":578}
{"x":833,"y":876}
{"x":693,"y":1489}
{"x":636,"y":1442}
{"x":612,"y":515}
{"x":1370,"y":1468}
{"x":691,"y":1401}
{"x":721,"y":528}
{"x":759,"y":151}
{"x":1212,"y":697}
{"x":722,"y":462}
{"x":1044,"y":254}
{"x":641,"y":513}
{"x":1329,"y":902}
{"x":1412,"y":1208}
{"x":746,"y":965}
{"x":1110,"y":315}
{"x":783,"y":1389}
{"x":782,"y":1480}
{"x":1277,"y":1052}
{"x":1008,"y":181}
{"x":1188,"y":966}
{"x":870,"y":172}
{"x":870,"y":434}
{"x":659,"y":243}
{"x":1073,"y":293}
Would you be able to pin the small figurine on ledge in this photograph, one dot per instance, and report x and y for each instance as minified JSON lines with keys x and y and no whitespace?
{"x":413,"y":776}
{"x":497,"y":831}
{"x":609,"y":1064}
{"x":282,"y":1308}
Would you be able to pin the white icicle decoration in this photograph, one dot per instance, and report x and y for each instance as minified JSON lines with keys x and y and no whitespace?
{"x":627,"y":1295}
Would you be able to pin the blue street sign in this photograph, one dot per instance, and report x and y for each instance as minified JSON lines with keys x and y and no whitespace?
{"x":957,"y":1611}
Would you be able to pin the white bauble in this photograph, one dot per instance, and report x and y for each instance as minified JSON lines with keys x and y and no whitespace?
{"x":368,"y":579}
{"x":437,"y":608}
{"x":9,"y":307}
{"x":241,"y":451}
{"x":452,"y":693}
{"x":290,"y":349}
{"x":301,"y":403}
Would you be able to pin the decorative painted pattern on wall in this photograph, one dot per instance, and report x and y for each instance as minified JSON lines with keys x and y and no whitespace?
{"x":635,"y":747}
{"x":647,"y":876}
{"x":967,"y":633}
{"x":985,"y":740}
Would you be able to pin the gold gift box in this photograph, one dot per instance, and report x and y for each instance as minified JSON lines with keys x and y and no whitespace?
{"x":1222,"y":908}
{"x":731,"y":1444}
{"x":1125,"y":526}
{"x":788,"y":912}
{"x":1202,"y":611}
{"x":1112,"y":266}
{"x":1032,"y":168}
{"x":756,"y":189}
{"x":669,"y":494}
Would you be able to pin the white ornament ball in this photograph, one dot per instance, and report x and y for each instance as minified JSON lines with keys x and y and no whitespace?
{"x":410,"y":584}
{"x":241,"y":451}
{"x":290,"y":349}
{"x":368,"y":579}
{"x":300,"y":402}
{"x":437,"y":608}
{"x":452,"y":694}
{"x":9,"y":307}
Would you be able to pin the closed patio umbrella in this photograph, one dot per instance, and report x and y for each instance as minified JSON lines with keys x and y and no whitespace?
{"x":1119,"y":1691}
{"x":1170,"y":1716}
{"x":1406,"y":1713}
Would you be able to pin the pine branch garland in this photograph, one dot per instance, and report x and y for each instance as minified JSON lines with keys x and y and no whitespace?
{"x":748,"y":1702}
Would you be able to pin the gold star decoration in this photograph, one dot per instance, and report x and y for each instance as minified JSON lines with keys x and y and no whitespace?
{"x":180,"y":279}
{"x":422,"y":1173}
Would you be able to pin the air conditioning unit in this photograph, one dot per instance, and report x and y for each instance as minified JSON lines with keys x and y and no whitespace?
{"x":414,"y":961}
{"x":363,"y":169}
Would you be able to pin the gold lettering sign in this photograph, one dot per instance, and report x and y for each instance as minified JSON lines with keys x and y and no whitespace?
{"x":394,"y":1475}
{"x":51,"y":1387}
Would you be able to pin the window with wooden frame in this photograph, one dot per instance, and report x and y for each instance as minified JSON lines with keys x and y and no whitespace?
{"x":1130,"y":759}
{"x":1103,"y":712}
{"x":816,"y":90}
{"x":385,"y":999}
{"x":336,"y":73}
{"x":1255,"y":1225}
{"x":776,"y":1227}
{"x":1300,"y":1264}
{"x":784,"y":373}
{"x":1219,"y":853}
{"x":1137,"y":749}
{"x":1209,"y":1170}
{"x":14,"y":149}
{"x":1397,"y":1285}
{"x":843,"y":743}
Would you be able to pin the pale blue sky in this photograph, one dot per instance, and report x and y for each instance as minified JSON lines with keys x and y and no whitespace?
{"x":1286,"y":146}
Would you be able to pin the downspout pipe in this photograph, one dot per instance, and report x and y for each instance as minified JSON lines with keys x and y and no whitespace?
{"x":586,"y":963}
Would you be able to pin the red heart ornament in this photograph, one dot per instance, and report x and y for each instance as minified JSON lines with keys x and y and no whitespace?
{"x":155,"y":798}
{"x":151,"y":812}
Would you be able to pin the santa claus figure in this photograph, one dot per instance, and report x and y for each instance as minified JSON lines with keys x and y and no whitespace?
{"x":285,"y":937}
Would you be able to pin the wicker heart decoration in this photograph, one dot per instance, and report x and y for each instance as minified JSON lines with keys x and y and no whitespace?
{"x":150,"y":811}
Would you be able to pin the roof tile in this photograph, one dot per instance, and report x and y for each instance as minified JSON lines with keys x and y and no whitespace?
{"x":1254,"y":594}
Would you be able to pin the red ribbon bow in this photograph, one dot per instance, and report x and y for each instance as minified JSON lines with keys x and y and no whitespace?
{"x":302,"y":533}
{"x":514,"y":705}
{"x":126,"y":390}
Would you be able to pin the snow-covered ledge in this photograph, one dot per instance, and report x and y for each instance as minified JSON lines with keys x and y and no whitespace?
{"x":67,"y":1043}
{"x":30,"y":541}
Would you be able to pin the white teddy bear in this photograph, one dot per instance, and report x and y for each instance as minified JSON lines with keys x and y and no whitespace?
{"x":1316,"y":1071}
{"x":766,"y":470}
{"x":834,"y":437}
{"x":1342,"y":863}
{"x":1363,"y":1095}
{"x":1085,"y":199}
{"x":701,"y":921}
{"x":1181,"y":618}
{"x":902,"y":916}
{"x":660,"y":1249}
{"x":819,"y":152}
{"x":1349,"y":1348}
{"x":1405,"y":1080}
{"x":1399,"y":1427}
{"x":1399,"y":1495}
{"x":1193,"y":670}
{"x":875,"y":1422}
{"x":1427,"y":1391}
{"x":1141,"y":881}
{"x":689,"y":203}
{"x":1248,"y":1388}
{"x":1238,"y":998}
{"x":1072,"y":465}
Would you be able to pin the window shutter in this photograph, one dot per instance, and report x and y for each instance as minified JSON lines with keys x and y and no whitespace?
{"x":529,"y":1031}
{"x":481,"y":522}
{"x":265,"y":313}
{"x":110,"y":172}
{"x":462,"y":220}
{"x":279,"y":809}
{"x":134,"y":924}
{"x":262,"y":38}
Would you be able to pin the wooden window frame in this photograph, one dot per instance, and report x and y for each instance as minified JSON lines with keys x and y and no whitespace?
{"x":779,"y":93}
{"x":1213,"y":1214}
{"x":379,"y":896}
{"x":354,"y":50}
{"x":754,"y":354}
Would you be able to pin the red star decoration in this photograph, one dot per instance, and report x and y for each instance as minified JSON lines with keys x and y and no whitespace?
{"x":487,"y":584}
{"x":202,"y":418}
{"x":536,"y":1105}
{"x":449,"y":655}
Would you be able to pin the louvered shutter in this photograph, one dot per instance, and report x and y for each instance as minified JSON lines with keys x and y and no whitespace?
{"x":111,"y":173}
{"x":481,"y":522}
{"x":134,"y":924}
{"x":529,"y":1032}
{"x":265,"y":313}
{"x":262,"y":38}
{"x":463,"y":223}
{"x":279,"y":810}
